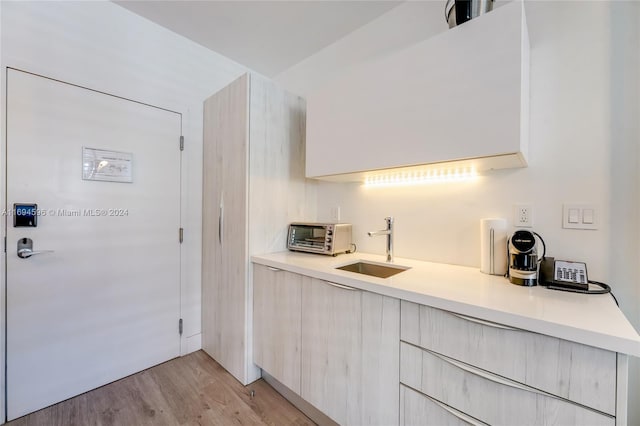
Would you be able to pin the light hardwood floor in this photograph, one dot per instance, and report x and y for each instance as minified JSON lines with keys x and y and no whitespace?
{"x":191,"y":390}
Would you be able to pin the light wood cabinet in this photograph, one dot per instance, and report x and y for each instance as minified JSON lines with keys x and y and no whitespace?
{"x":350,"y":353}
{"x":380,"y":359}
{"x":577,"y":372}
{"x":366,"y":359}
{"x":334,"y":346}
{"x":331,"y":350}
{"x":253,"y":186}
{"x":501,"y":375}
{"x":277,"y":307}
{"x":461,"y":95}
{"x":486,"y":396}
{"x":418,"y":409}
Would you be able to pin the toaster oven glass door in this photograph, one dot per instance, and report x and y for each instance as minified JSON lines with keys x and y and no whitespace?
{"x":310,"y":237}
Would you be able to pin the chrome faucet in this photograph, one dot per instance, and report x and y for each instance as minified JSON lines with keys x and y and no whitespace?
{"x":389,"y":233}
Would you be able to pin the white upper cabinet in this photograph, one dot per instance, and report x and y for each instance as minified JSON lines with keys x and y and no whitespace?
{"x":461,"y":96}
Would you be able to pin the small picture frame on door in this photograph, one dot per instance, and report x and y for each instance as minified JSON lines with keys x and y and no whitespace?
{"x":107,"y":166}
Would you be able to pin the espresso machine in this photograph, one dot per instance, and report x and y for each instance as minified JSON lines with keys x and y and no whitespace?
{"x":523,"y":257}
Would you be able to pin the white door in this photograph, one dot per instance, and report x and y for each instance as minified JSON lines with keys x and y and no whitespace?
{"x":106,"y":302}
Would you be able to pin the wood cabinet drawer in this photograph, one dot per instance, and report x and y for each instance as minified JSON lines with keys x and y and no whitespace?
{"x":577,"y":372}
{"x":488,"y":397}
{"x":417,"y":409}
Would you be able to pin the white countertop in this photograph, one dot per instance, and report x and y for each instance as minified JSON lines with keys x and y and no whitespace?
{"x":593,"y":320}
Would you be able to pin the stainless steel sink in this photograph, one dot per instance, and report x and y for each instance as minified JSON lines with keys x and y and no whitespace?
{"x":373,"y":269}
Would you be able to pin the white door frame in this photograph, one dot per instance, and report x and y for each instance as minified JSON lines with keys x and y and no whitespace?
{"x":3,"y":225}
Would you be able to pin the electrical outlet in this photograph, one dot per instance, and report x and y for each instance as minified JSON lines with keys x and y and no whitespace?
{"x":523,"y":215}
{"x":335,"y":214}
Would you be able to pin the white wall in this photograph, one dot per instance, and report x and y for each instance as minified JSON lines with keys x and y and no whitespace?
{"x":624,"y":179}
{"x":406,"y":23}
{"x":583,"y":149}
{"x":105,"y":47}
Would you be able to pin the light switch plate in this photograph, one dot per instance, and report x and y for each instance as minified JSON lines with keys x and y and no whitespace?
{"x":579,"y":216}
{"x":335,"y":214}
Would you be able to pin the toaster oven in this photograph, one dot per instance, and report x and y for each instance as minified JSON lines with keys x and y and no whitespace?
{"x":321,"y":238}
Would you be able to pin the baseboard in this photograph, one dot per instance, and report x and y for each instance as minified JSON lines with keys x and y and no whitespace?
{"x":194,"y":343}
{"x":309,"y":410}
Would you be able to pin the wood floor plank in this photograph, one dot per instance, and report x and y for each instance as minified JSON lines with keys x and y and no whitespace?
{"x":192,"y":390}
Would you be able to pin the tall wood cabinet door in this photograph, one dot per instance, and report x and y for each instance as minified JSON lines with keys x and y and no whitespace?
{"x":211,"y":190}
{"x":331,"y":348}
{"x":277,"y":297}
{"x":224,"y":227}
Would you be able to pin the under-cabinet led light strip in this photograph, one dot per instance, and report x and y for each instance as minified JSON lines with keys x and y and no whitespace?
{"x":419,"y":177}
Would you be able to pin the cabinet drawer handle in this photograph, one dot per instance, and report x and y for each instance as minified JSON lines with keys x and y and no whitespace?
{"x":490,"y":376}
{"x":459,"y":414}
{"x":220,"y":226}
{"x":221,"y":218}
{"x":344,"y":287}
{"x":271,"y":268}
{"x":483,"y":322}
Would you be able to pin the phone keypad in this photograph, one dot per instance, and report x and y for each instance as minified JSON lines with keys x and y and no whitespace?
{"x":573,"y":272}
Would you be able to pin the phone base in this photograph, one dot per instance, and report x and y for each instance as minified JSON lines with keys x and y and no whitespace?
{"x":557,"y":285}
{"x":548,"y":273}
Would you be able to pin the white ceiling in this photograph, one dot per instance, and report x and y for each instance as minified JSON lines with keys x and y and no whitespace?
{"x":266,"y":36}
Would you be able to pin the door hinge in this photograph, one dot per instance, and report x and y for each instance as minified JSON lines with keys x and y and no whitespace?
{"x":181,"y":235}
{"x":181,"y":143}
{"x":180,"y":326}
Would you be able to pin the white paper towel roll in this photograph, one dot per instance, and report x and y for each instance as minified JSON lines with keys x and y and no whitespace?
{"x":493,"y":246}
